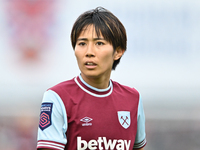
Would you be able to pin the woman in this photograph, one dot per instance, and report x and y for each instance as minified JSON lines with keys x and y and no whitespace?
{"x":91,"y":111}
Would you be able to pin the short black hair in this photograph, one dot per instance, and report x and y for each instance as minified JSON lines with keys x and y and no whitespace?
{"x":106,"y":24}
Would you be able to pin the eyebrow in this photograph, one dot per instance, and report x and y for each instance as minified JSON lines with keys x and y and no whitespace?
{"x":86,"y":39}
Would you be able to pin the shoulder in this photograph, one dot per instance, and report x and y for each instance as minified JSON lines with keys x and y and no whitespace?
{"x":63,"y":86}
{"x":124,"y":88}
{"x":125,"y":92}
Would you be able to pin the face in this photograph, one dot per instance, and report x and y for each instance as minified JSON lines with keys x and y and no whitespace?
{"x":95,"y":55}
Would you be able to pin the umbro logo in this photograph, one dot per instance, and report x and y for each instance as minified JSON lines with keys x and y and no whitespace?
{"x":86,"y":121}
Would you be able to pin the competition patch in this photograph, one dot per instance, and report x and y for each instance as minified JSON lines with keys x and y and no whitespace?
{"x":45,"y":115}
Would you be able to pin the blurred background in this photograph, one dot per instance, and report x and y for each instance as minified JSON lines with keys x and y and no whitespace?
{"x":162,"y":61}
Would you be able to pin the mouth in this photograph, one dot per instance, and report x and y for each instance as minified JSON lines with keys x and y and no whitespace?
{"x":90,"y":65}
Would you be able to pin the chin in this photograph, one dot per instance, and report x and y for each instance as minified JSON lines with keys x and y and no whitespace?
{"x":91,"y":74}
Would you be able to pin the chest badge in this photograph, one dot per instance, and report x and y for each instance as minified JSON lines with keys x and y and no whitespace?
{"x":124,"y":118}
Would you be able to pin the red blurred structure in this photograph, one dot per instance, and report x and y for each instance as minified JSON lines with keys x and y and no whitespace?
{"x":30,"y":24}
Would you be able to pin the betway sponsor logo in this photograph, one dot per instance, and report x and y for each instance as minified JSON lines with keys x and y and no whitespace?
{"x":103,"y":144}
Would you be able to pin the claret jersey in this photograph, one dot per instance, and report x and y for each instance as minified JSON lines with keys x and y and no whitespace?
{"x":77,"y":116}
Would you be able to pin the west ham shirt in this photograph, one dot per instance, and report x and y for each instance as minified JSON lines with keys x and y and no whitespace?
{"x":77,"y":116}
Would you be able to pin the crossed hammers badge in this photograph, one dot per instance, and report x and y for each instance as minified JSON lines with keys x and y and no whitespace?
{"x":124,"y":118}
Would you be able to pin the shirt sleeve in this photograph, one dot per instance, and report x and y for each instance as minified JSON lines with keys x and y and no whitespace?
{"x":140,"y":140}
{"x":53,"y":122}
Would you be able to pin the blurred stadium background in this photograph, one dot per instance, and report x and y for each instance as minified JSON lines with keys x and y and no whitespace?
{"x":162,"y":61}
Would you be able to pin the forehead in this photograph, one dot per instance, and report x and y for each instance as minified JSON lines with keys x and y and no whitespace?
{"x":90,"y":31}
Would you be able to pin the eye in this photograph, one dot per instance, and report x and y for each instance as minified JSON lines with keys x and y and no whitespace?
{"x":81,"y":44}
{"x":99,"y":43}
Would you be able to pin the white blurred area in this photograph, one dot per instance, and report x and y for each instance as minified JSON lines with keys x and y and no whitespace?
{"x":162,"y":60}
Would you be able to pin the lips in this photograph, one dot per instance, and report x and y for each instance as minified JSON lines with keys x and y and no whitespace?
{"x":89,"y":63}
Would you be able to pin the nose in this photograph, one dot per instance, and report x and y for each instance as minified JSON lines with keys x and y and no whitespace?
{"x":90,"y":50}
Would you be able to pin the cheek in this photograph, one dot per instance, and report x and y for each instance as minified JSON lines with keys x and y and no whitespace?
{"x":108,"y":59}
{"x":77,"y":57}
{"x":77,"y":54}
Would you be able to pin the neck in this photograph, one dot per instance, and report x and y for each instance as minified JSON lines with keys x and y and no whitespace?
{"x":99,"y":83}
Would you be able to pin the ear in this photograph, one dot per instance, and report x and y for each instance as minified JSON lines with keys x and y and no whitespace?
{"x":118,"y":53}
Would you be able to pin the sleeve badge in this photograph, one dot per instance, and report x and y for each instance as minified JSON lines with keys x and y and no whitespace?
{"x":45,"y":115}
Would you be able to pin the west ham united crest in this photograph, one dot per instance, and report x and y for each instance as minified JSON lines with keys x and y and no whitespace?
{"x":45,"y":116}
{"x":124,"y":118}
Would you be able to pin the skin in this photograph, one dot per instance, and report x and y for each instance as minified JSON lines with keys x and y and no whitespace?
{"x":99,"y":52}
